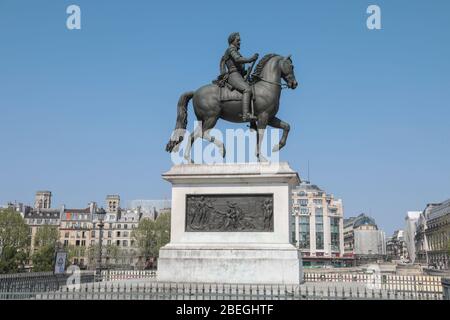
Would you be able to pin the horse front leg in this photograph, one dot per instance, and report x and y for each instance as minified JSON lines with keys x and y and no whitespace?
{"x":262,"y":125}
{"x":279,"y":124}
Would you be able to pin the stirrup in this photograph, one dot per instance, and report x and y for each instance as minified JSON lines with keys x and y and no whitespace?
{"x":249,"y":117}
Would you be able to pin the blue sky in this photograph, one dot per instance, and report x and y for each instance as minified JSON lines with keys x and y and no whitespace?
{"x":87,"y":113}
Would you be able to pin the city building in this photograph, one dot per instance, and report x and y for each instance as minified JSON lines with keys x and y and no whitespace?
{"x":396,"y":249}
{"x":363,"y":241}
{"x":43,"y":200}
{"x":150,"y":208}
{"x":420,"y":238}
{"x":127,"y":220}
{"x":438,"y":235}
{"x":410,"y":232}
{"x":77,"y":232}
{"x":318,"y":225}
{"x":40,"y":215}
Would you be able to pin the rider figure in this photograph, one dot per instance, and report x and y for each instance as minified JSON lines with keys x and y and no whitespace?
{"x":235,"y":64}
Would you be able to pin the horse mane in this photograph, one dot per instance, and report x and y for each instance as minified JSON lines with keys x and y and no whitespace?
{"x":257,"y":74}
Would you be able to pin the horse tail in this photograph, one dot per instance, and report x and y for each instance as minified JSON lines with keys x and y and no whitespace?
{"x":181,"y":125}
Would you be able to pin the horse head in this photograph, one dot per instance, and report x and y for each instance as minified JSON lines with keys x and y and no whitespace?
{"x":287,"y":72}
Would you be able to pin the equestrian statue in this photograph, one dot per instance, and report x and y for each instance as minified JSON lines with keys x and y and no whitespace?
{"x":237,"y":96}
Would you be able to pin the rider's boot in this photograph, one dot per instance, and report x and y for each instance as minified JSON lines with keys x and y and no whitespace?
{"x":246,"y":115}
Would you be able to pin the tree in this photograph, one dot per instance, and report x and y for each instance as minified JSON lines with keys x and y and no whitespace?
{"x":43,"y":259}
{"x":75,"y":252}
{"x":151,"y":235}
{"x":110,"y":253}
{"x":14,"y":241}
{"x":46,"y":236}
{"x":162,"y":225}
{"x":45,"y":241}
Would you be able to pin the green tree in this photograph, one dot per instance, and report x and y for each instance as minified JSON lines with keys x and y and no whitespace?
{"x":43,"y":259}
{"x":151,"y":235}
{"x":110,"y":254}
{"x":14,"y":241}
{"x":46,"y":236}
{"x":75,"y":252}
{"x":162,"y":228}
{"x":46,"y":242}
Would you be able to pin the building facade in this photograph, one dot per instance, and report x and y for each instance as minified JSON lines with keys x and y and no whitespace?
{"x":318,"y":225}
{"x":410,"y":232}
{"x":40,"y":215}
{"x":79,"y":231}
{"x":421,"y":241}
{"x":396,"y":249}
{"x":438,"y":235}
{"x":363,"y":241}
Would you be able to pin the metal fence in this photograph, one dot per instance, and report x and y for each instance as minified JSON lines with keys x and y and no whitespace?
{"x":176,"y":291}
{"x":115,"y":275}
{"x":128,"y":284}
{"x":38,"y":282}
{"x":423,"y":284}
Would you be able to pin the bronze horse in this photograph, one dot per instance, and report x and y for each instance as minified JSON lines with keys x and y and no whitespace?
{"x":208,"y":108}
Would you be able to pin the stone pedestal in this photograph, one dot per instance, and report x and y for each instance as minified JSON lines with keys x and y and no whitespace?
{"x":231,"y":223}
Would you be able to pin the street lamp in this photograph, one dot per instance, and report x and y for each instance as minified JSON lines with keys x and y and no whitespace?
{"x":100,"y":216}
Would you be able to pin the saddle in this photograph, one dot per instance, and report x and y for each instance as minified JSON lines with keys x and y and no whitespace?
{"x":227,"y":92}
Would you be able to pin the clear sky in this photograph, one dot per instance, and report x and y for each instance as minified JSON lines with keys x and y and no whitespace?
{"x":86,"y":113}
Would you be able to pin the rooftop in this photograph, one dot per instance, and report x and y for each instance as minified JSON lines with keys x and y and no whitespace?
{"x":359,"y":221}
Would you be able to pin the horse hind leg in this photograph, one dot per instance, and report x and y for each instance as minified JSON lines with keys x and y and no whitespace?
{"x":192,"y":137}
{"x":208,"y":124}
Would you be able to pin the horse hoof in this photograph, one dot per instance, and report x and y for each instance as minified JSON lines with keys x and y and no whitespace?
{"x":262,"y":159}
{"x":276,"y":148}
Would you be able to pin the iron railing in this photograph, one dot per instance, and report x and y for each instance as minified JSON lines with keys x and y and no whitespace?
{"x":190,"y":291}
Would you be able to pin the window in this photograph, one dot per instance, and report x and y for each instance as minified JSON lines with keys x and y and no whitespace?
{"x":118,"y":233}
{"x":109,"y":242}
{"x":319,"y":232}
{"x":66,"y":235}
{"x":319,"y":211}
{"x":125,"y":234}
{"x":83,"y":243}
{"x":303,"y":202}
{"x":319,"y":240}
{"x":317,"y":202}
{"x":118,"y":242}
{"x":125,"y":226}
{"x":304,"y":233}
{"x":109,"y":234}
{"x":77,"y":243}
{"x":304,"y":211}
{"x":93,"y":234}
{"x":92,"y":242}
{"x":66,"y":243}
{"x":125,"y":243}
{"x":132,"y":243}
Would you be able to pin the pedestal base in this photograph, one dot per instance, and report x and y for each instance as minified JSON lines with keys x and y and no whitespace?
{"x":231,"y":224}
{"x":230,"y":264}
